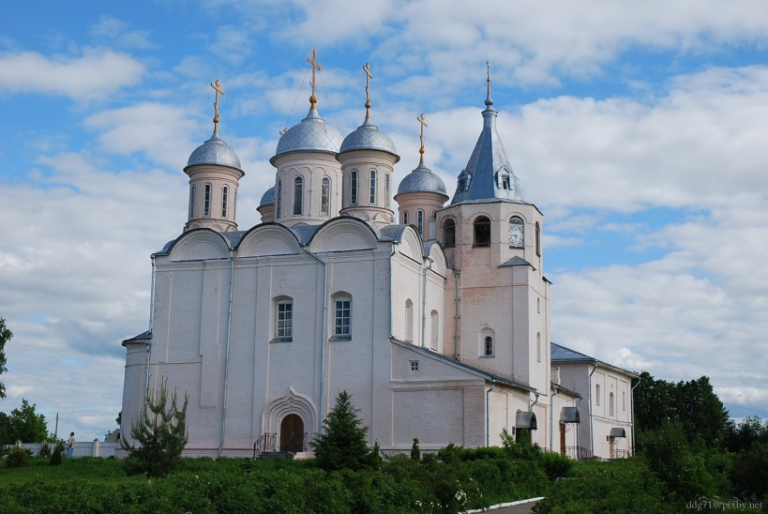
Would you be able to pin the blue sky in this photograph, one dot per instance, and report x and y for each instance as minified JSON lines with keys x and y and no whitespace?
{"x":639,"y":130}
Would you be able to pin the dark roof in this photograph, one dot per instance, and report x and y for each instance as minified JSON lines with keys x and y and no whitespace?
{"x":144,"y":336}
{"x":485,"y":373}
{"x":566,"y":355}
{"x":516,"y":261}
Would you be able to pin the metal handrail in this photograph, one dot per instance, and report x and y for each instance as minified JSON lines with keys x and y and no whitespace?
{"x":265,"y":443}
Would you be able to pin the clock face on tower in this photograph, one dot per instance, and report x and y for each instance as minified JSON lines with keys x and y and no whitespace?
{"x":515,"y":236}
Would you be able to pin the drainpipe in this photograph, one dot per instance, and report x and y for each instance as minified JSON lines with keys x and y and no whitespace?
{"x":578,"y":436}
{"x":591,"y":423}
{"x":394,"y":251}
{"x":488,"y":414}
{"x":530,"y":409}
{"x":151,"y":322}
{"x":457,"y":317}
{"x":226,"y":357}
{"x":424,"y":303}
{"x":552,"y":419}
{"x":322,"y":337}
{"x":632,"y":399}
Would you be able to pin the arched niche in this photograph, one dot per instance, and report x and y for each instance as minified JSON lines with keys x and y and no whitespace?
{"x":410,"y":244}
{"x":439,"y":265}
{"x":290,"y":403}
{"x":345,"y":233}
{"x":270,"y":239}
{"x":199,"y":245}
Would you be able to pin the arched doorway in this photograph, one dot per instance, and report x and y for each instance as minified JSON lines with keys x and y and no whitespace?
{"x":292,"y":434}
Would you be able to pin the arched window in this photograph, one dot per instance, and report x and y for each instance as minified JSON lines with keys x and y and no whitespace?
{"x":353,"y":188}
{"x":386,"y":188}
{"x":409,"y":320}
{"x":207,"y":201}
{"x":449,"y":233}
{"x":611,"y":405}
{"x":538,"y":305}
{"x":516,"y":232}
{"x":597,"y":394}
{"x":224,"y":201}
{"x":482,"y":231}
{"x":191,"y":201}
{"x":538,"y":347}
{"x":488,"y":346}
{"x":420,"y":222}
{"x":325,"y":197}
{"x":538,"y":239}
{"x":372,"y":188}
{"x":298,"y":196}
{"x":405,"y":217}
{"x":435,"y":332}
{"x":279,"y":198}
{"x":342,"y":318}
{"x":624,"y":401}
{"x":284,"y":321}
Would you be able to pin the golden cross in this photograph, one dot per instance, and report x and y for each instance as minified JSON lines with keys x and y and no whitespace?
{"x":421,"y":138}
{"x":368,"y":77}
{"x":315,"y":66}
{"x":217,"y":86}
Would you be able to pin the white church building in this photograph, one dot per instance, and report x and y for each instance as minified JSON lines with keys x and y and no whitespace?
{"x":437,"y":323}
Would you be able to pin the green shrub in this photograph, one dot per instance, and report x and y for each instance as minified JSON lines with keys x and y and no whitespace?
{"x":18,"y":457}
{"x":58,"y":451}
{"x":45,"y":450}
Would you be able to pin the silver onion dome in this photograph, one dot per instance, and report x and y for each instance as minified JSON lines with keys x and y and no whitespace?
{"x":313,"y":134}
{"x":268,"y":198}
{"x":421,"y":180}
{"x":214,"y":151}
{"x":368,"y":137}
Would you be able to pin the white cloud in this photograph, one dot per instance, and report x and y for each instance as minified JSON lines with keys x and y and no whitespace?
{"x":95,"y":74}
{"x":117,"y":31}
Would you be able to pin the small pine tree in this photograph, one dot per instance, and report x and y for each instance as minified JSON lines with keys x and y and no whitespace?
{"x":58,"y":451}
{"x":415,"y":450}
{"x":161,"y":433}
{"x":343,"y":445}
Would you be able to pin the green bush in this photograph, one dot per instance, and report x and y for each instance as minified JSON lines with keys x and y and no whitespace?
{"x":58,"y":451}
{"x":18,"y":457}
{"x":45,"y":450}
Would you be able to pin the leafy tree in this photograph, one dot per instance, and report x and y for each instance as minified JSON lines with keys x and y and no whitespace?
{"x":24,"y":424}
{"x":415,"y":450}
{"x":5,"y":336}
{"x":694,"y":404}
{"x":343,"y":445}
{"x":161,"y":433}
{"x":750,"y":430}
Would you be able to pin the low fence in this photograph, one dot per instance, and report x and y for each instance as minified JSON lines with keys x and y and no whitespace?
{"x":93,"y":449}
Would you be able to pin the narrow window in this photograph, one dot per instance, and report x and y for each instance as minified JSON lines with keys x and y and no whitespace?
{"x":420,"y":222}
{"x":623,"y":401}
{"x":284,"y":322}
{"x":279,"y":198}
{"x":449,"y":233}
{"x":414,"y":365}
{"x":435,"y":329}
{"x":298,"y":196}
{"x":610,"y":405}
{"x":538,"y":305}
{"x":409,"y":320}
{"x":343,"y":317}
{"x":597,"y":394}
{"x":353,"y":188}
{"x":538,"y":347}
{"x":538,"y":239}
{"x":372,"y":189}
{"x":325,"y":199}
{"x":207,"y":201}
{"x":386,"y":188}
{"x":224,"y":199}
{"x":488,"y":348}
{"x":191,"y":202}
{"x":405,"y":218}
{"x":482,"y":231}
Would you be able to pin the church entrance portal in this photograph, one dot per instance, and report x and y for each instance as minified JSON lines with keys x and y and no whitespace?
{"x":292,"y":434}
